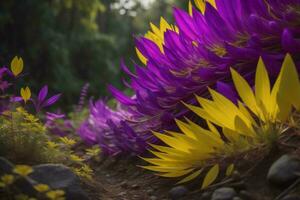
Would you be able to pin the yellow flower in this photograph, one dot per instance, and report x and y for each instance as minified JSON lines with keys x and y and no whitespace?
{"x":76,"y":158}
{"x":41,"y":187}
{"x":201,"y":5}
{"x":156,"y":34}
{"x":56,"y":194}
{"x":93,"y":151}
{"x":23,"y":197}
{"x":16,"y":66}
{"x":23,"y":170}
{"x":25,"y":94}
{"x":52,"y":145}
{"x":68,"y":141}
{"x":7,"y":179}
{"x":269,"y":106}
{"x":257,"y":120}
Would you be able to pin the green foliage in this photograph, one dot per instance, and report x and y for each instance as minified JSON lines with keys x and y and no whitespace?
{"x":66,"y":43}
{"x":23,"y":138}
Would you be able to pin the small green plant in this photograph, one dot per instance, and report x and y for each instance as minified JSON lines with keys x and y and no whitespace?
{"x":23,"y":138}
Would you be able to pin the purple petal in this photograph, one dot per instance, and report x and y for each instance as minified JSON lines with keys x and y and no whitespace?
{"x":43,"y":93}
{"x":227,"y":90}
{"x":16,"y":99}
{"x":52,"y":100}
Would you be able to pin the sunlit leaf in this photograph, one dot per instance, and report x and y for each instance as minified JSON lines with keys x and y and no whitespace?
{"x":211,"y":176}
{"x":229,"y":169}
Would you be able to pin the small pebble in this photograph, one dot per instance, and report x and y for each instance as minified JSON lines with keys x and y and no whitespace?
{"x":283,"y":171}
{"x":178,"y":192}
{"x":224,"y":193}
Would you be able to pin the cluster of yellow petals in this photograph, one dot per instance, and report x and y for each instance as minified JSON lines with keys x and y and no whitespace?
{"x":187,"y":153}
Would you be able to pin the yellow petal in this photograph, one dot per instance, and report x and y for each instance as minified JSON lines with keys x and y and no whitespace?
{"x":177,"y":174}
{"x":229,"y":169}
{"x":231,"y":135}
{"x":213,"y":129}
{"x":164,"y":25}
{"x":16,"y":66}
{"x":262,"y":87}
{"x":190,"y":8}
{"x":246,"y":113}
{"x":245,"y":92}
{"x":172,"y":142}
{"x":212,"y":2}
{"x":200,"y":4}
{"x":241,"y":127}
{"x":190,"y":177}
{"x":25,"y":94}
{"x":200,"y":112}
{"x":290,"y":86}
{"x":142,"y":58}
{"x":211,"y":176}
{"x":163,"y":169}
{"x":23,"y":170}
{"x":183,"y":127}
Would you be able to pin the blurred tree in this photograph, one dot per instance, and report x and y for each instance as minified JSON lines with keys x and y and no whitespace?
{"x":66,"y":43}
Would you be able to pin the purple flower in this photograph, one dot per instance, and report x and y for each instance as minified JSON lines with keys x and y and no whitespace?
{"x":41,"y":101}
{"x":196,"y":56}
{"x":3,"y":83}
{"x":58,"y":125}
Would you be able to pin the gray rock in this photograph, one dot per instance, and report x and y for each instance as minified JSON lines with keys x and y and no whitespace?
{"x":224,"y":193}
{"x":178,"y":192}
{"x":283,"y":171}
{"x":59,"y":177}
{"x":291,"y":197}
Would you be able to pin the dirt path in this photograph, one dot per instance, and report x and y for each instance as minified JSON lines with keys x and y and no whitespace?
{"x":121,"y":179}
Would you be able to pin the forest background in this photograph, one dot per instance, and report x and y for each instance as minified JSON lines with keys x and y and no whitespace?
{"x":68,"y":43}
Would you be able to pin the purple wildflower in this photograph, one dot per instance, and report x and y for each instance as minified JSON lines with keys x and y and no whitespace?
{"x":58,"y":125}
{"x":83,"y":96}
{"x":42,"y":101}
{"x":199,"y":55}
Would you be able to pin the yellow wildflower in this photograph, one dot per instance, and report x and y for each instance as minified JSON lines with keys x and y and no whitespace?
{"x":23,"y":170}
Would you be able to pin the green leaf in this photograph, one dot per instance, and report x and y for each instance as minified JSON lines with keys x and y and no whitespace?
{"x":229,"y":169}
{"x":211,"y":176}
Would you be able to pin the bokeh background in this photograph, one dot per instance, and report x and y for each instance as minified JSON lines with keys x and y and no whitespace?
{"x":67,"y":43}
